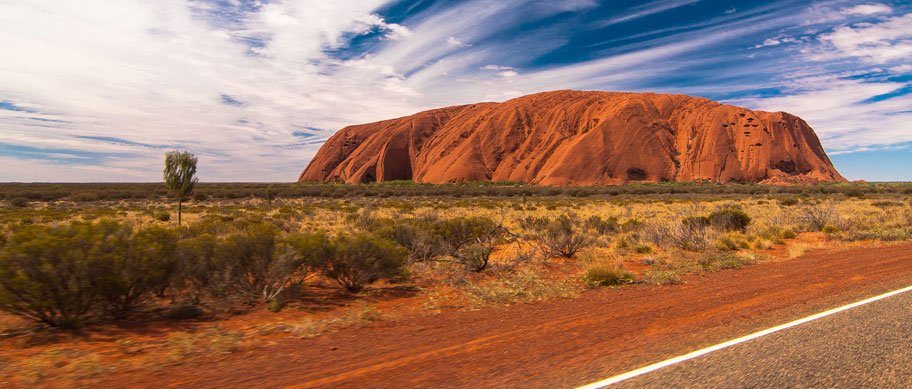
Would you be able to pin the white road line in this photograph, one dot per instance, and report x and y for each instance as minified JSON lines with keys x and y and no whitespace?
{"x":668,"y":362}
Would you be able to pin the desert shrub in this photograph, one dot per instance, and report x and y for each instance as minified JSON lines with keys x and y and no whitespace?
{"x":140,"y":264}
{"x":692,"y":233}
{"x":602,"y":226}
{"x":19,"y":202}
{"x":696,"y":222}
{"x":199,"y":272}
{"x":715,"y":260}
{"x":562,"y":237}
{"x":818,"y":216}
{"x":476,"y":256}
{"x":788,"y":202}
{"x":200,"y":197}
{"x":729,"y":219}
{"x":358,"y":259}
{"x":163,"y":216}
{"x":85,"y":196}
{"x":50,"y":274}
{"x":642,"y":249}
{"x":887,"y":204}
{"x":631,"y":225}
{"x":470,"y":240}
{"x":466,"y":240}
{"x":260,"y":265}
{"x":523,"y":284}
{"x":607,"y":274}
{"x":662,"y":277}
{"x":416,"y":236}
{"x":732,"y":242}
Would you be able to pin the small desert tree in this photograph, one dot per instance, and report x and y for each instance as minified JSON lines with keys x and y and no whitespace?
{"x":180,"y":172}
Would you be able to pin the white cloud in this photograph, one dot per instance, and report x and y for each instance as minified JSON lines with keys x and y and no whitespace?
{"x":904,"y":68}
{"x":776,"y":41}
{"x":844,"y":111}
{"x":868,"y":9}
{"x":496,"y":67}
{"x":647,"y":9}
{"x":879,"y":43}
{"x":454,"y":41}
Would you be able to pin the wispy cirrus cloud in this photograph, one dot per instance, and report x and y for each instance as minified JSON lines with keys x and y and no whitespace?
{"x":254,"y":87}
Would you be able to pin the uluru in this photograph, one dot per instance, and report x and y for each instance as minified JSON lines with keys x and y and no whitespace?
{"x":579,"y":138}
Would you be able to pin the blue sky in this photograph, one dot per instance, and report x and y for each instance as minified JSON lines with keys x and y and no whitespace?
{"x":96,"y":90}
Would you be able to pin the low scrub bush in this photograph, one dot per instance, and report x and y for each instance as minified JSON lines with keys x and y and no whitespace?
{"x":46,"y":274}
{"x":358,"y":259}
{"x":692,"y":233}
{"x":602,"y":226}
{"x":137,"y":266}
{"x":261,"y":265}
{"x":729,"y":219}
{"x":607,"y":274}
{"x":19,"y":202}
{"x":465,"y":240}
{"x":522,"y":285}
{"x":818,"y":216}
{"x":199,"y":272}
{"x":562,"y":237}
{"x":788,"y":202}
{"x":723,"y":260}
{"x":61,"y":275}
{"x":732,"y":242}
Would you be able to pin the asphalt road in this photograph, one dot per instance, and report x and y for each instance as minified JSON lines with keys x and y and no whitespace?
{"x":865,"y":347}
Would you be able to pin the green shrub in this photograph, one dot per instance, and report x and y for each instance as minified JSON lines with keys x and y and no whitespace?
{"x":260,"y":265}
{"x":788,"y":202}
{"x":631,"y":225}
{"x":830,"y":229}
{"x":642,"y":249}
{"x":467,"y":240}
{"x":200,"y":197}
{"x":275,"y":305}
{"x":19,"y":202}
{"x":50,"y":274}
{"x":562,"y":237}
{"x":695,"y":222}
{"x":729,"y":219}
{"x":59,"y":275}
{"x":603,"y":226}
{"x":141,"y":264}
{"x":359,"y":259}
{"x":603,"y":274}
{"x":199,"y":271}
{"x":85,"y":196}
{"x":732,"y":242}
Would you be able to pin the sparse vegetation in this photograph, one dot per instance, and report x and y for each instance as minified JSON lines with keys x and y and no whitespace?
{"x":356,"y":260}
{"x":607,"y":274}
{"x":302,"y":250}
{"x":563,"y":236}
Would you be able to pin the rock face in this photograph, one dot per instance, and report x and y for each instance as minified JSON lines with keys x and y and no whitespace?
{"x":579,"y":138}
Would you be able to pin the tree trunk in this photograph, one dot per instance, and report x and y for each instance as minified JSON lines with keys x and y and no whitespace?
{"x":180,"y":203}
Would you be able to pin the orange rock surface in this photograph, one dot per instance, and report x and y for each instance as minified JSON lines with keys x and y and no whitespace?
{"x":579,"y":138}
